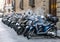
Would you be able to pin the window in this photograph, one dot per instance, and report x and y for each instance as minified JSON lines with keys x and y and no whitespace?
{"x":32,"y":3}
{"x":21,"y":4}
{"x":13,"y":5}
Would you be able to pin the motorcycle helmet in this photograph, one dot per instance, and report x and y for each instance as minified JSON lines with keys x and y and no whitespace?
{"x":43,"y":17}
{"x":54,"y":19}
{"x":29,"y":12}
{"x":48,"y":17}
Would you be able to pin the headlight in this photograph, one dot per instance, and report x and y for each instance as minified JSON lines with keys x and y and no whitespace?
{"x":36,"y":19}
{"x":12,"y":22}
{"x":52,"y":24}
{"x":40,"y":26}
{"x":19,"y":27}
{"x":9,"y":20}
{"x":31,"y":27}
{"x":27,"y":26}
{"x":17,"y":24}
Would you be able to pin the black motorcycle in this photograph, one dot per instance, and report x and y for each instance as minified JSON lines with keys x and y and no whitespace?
{"x":20,"y":26}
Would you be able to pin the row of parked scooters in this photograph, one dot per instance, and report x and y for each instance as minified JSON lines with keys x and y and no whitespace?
{"x":31,"y":25}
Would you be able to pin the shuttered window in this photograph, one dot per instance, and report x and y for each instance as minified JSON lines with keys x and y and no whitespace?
{"x":32,"y":3}
{"x":21,"y":5}
{"x":13,"y":5}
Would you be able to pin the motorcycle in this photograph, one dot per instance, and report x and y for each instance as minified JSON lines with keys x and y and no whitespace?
{"x":42,"y":28}
{"x":28,"y":24}
{"x":7,"y":18}
{"x":14,"y":20}
{"x":20,"y":26}
{"x":4,"y":19}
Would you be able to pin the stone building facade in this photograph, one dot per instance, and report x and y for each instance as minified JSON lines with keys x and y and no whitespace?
{"x":8,"y":6}
{"x":58,"y":12}
{"x":44,"y":4}
{"x":20,"y":6}
{"x":38,"y":4}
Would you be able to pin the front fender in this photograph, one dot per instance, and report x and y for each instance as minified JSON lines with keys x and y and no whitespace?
{"x":31,"y":28}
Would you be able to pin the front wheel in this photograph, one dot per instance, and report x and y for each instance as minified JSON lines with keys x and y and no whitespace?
{"x":53,"y":32}
{"x":20,"y":31}
{"x":30,"y":34}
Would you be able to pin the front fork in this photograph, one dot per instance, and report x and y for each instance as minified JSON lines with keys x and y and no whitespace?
{"x":52,"y":31}
{"x":28,"y":28}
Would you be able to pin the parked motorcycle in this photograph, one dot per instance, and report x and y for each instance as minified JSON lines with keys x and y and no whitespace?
{"x":29,"y":24}
{"x":14,"y":20}
{"x":5,"y":18}
{"x":20,"y":25}
{"x":43,"y":28}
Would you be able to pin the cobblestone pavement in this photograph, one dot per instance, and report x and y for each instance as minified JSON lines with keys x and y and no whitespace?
{"x":9,"y":35}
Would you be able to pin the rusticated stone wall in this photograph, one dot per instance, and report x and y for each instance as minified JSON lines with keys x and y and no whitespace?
{"x":38,"y":4}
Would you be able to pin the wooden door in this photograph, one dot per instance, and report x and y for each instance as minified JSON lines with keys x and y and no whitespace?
{"x":52,"y":7}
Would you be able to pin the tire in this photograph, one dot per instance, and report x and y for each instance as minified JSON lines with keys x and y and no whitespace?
{"x":54,"y":29}
{"x":20,"y":31}
{"x":25,"y":32}
{"x":30,"y":34}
